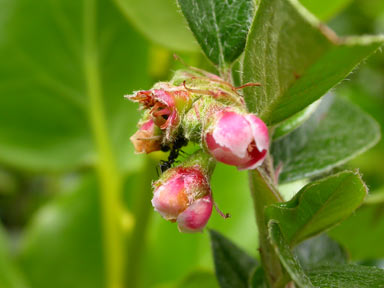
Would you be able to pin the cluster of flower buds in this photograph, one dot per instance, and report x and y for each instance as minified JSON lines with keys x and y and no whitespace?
{"x":201,"y":108}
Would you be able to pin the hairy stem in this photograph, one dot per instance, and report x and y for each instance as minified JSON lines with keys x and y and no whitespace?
{"x":264,"y":193}
{"x":109,"y":176}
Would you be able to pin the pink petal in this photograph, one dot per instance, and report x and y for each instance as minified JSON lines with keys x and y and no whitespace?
{"x":170,"y":198}
{"x":233,"y":131}
{"x":164,"y":97}
{"x":196,"y":216}
{"x":148,"y":126}
{"x":260,"y":132}
{"x":222,"y":154}
{"x":256,"y":159}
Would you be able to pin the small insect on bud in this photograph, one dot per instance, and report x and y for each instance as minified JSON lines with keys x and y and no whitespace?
{"x":148,"y":138}
{"x":183,"y":193}
{"x":237,"y":139}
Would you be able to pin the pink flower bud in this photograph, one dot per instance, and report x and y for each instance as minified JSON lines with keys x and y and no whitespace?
{"x":237,"y":139}
{"x":147,"y":139}
{"x":184,"y":195}
{"x":195,"y":217}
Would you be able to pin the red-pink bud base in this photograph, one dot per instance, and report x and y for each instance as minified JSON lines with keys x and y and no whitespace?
{"x":184,"y":197}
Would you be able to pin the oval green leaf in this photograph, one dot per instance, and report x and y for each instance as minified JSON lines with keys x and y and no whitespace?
{"x":220,"y":27}
{"x":296,"y":59}
{"x":319,"y":206}
{"x":334,"y":134}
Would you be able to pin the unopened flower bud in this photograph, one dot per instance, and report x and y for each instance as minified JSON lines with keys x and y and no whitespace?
{"x":168,"y":102}
{"x":183,"y":194}
{"x":148,"y":138}
{"x":236,"y":138}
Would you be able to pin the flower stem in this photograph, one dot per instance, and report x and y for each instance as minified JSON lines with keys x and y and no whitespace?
{"x":264,"y":193}
{"x":109,"y":176}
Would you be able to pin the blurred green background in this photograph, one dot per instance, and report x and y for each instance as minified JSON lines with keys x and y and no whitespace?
{"x":74,"y":199}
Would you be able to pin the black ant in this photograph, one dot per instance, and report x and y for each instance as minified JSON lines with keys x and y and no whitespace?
{"x":175,"y":149}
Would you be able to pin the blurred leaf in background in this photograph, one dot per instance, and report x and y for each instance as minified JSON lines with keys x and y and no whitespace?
{"x":44,"y":108}
{"x":62,"y":246}
{"x":9,"y":276}
{"x":161,"y":22}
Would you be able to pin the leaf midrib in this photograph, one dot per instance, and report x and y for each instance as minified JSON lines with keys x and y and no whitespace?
{"x":218,"y":33}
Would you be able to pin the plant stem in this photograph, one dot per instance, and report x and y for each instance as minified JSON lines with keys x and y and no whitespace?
{"x":142,"y":212}
{"x":264,"y":193}
{"x":109,"y":176}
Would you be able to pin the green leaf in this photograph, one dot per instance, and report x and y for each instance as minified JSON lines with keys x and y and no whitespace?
{"x":220,"y":27}
{"x":296,"y":59}
{"x":347,"y":276}
{"x":258,"y":279}
{"x":10,"y":277}
{"x":319,"y":206}
{"x":320,"y":251}
{"x":363,"y":233}
{"x":44,"y":100}
{"x":291,"y":264}
{"x":379,"y":263}
{"x":325,"y":9}
{"x":295,"y":121}
{"x":335,"y":133}
{"x":161,"y":22}
{"x":233,"y":266}
{"x":199,"y":279}
{"x":62,"y":246}
{"x":334,"y":276}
